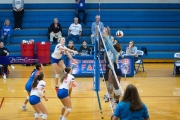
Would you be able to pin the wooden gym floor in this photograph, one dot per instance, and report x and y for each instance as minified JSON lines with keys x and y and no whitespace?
{"x":157,"y":86}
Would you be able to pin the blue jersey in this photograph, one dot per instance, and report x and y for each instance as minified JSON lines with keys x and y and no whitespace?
{"x":28,"y":85}
{"x":124,"y":113}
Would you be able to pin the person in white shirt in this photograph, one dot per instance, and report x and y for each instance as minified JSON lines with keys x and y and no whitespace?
{"x":56,"y":59}
{"x":64,"y":92}
{"x":18,"y":11}
{"x":74,"y":32}
{"x":37,"y":92}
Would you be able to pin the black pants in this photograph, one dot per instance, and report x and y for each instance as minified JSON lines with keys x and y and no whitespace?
{"x":18,"y":18}
{"x":135,"y":59}
{"x":5,"y":69}
{"x":106,"y":74}
{"x":84,"y":11}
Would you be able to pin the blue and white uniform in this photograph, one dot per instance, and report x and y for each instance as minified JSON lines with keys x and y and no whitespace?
{"x":64,"y":87}
{"x":57,"y":54}
{"x":37,"y":93}
{"x":28,"y":85}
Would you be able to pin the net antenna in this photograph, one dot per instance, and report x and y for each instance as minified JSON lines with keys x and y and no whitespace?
{"x":110,"y":62}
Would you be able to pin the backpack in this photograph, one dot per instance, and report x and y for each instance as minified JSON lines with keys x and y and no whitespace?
{"x":144,"y":49}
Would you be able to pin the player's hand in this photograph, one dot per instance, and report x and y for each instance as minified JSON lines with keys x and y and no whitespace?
{"x":56,"y":88}
{"x":73,"y":84}
{"x":75,"y":62}
{"x":46,"y":99}
{"x":75,"y":52}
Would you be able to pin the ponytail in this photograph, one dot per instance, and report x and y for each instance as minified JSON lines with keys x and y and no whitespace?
{"x":66,"y":70}
{"x":37,"y":79}
{"x":63,"y":77}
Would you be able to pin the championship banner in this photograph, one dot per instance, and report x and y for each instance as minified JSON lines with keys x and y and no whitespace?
{"x":85,"y":66}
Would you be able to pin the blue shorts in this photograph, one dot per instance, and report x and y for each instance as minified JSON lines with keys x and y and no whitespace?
{"x":28,"y":86}
{"x":53,"y":60}
{"x":62,"y":93}
{"x":33,"y":100}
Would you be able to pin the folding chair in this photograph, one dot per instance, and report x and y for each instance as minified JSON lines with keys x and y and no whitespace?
{"x":139,"y":62}
{"x":176,"y":64}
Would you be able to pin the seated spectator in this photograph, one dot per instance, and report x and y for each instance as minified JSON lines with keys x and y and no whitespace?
{"x":6,"y":32}
{"x":74,"y":32}
{"x":71,"y":46}
{"x":93,"y":28}
{"x":18,"y":12}
{"x":80,"y":8}
{"x":131,"y":107}
{"x":55,"y":30}
{"x":84,"y":49}
{"x":132,"y":50}
{"x":4,"y":52}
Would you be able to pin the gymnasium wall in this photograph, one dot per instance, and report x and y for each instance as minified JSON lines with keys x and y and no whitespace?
{"x":95,"y":1}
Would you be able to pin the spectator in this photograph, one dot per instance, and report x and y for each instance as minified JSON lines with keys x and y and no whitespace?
{"x":81,"y":8}
{"x":93,"y":27}
{"x":131,"y":107}
{"x":6,"y":32}
{"x":18,"y":11}
{"x":4,"y":52}
{"x":71,"y":46}
{"x":74,"y":32}
{"x":55,"y":30}
{"x":84,"y":49}
{"x":132,"y":50}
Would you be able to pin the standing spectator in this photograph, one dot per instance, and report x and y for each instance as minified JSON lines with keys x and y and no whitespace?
{"x":6,"y":32}
{"x":74,"y":32}
{"x":84,"y":49}
{"x":81,"y":8}
{"x":93,"y":27}
{"x":131,"y":107}
{"x":55,"y":30}
{"x":71,"y":46}
{"x":18,"y":11}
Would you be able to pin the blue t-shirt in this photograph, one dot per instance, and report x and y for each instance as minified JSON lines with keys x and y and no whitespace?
{"x":81,"y":4}
{"x":124,"y":113}
{"x":31,"y":79}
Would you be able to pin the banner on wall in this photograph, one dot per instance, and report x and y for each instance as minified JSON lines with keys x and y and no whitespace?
{"x":86,"y":66}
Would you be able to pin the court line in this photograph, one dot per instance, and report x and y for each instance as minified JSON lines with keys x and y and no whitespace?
{"x":2,"y":102}
{"x":96,"y":97}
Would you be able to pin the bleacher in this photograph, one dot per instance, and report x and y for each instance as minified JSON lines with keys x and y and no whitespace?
{"x":154,"y":26}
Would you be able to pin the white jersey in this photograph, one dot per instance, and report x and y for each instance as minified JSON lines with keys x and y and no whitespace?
{"x":66,"y":82}
{"x":75,"y":29}
{"x":57,"y":54}
{"x":39,"y":90}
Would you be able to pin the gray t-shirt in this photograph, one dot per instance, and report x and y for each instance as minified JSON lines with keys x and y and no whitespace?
{"x":133,"y":50}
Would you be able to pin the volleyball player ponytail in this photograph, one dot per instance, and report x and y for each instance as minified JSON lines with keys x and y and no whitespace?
{"x":38,"y":65}
{"x":37,"y":79}
{"x":66,"y":70}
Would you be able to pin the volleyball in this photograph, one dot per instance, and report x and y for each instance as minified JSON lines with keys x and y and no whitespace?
{"x":119,"y":33}
{"x":43,"y":42}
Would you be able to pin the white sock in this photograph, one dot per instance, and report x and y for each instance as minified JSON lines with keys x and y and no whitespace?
{"x":63,"y":118}
{"x":109,"y":95}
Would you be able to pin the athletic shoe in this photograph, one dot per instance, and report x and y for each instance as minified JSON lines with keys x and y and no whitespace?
{"x":106,"y":98}
{"x":12,"y":67}
{"x":24,"y":107}
{"x":4,"y":76}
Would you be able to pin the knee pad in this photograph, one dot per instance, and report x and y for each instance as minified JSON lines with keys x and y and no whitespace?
{"x":57,"y":75}
{"x":64,"y":107}
{"x":69,"y":109}
{"x":36,"y":115}
{"x":27,"y":97}
{"x":117,"y":92}
{"x":44,"y":116}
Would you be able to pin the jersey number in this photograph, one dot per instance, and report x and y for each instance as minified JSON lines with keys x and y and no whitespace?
{"x":62,"y":52}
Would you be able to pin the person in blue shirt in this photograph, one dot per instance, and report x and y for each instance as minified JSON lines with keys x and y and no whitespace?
{"x":131,"y":107}
{"x":6,"y":32}
{"x":81,"y":8}
{"x":28,"y":85}
{"x":94,"y":26}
